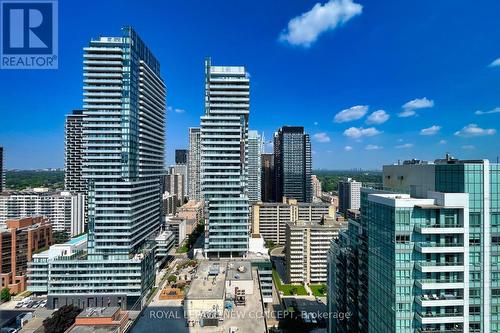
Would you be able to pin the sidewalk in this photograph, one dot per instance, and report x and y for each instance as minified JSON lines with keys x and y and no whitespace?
{"x":309,"y":291}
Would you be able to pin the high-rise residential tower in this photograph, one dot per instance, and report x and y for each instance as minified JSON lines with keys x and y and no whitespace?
{"x":267,"y":178}
{"x":181,"y":156}
{"x":292,"y":164}
{"x":349,"y":195}
{"x":480,"y":179}
{"x":124,"y":102}
{"x":174,"y":184}
{"x":316,"y":185}
{"x":73,"y":153}
{"x":429,"y":258}
{"x":2,"y":171}
{"x":123,"y":135}
{"x":224,"y":158}
{"x":194,"y":157}
{"x":254,"y":166}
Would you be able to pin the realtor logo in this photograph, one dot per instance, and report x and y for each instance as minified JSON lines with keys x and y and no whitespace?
{"x":28,"y":34}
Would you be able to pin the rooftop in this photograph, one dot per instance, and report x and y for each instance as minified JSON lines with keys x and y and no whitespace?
{"x":95,"y":329}
{"x":239,"y":270}
{"x":209,"y":282}
{"x":77,"y":239}
{"x":104,"y":312}
{"x":192,"y":204}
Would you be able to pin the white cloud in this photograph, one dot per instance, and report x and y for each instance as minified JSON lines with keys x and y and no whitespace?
{"x":415,"y":104}
{"x":304,"y":30}
{"x":176,"y":110}
{"x":348,"y":148}
{"x":373,"y":147}
{"x":358,"y":132}
{"x":442,"y":142}
{"x":321,"y":137}
{"x":434,"y":129}
{"x":495,"y":63}
{"x":377,"y":117}
{"x":474,"y":130}
{"x":405,"y":146}
{"x":468,"y":147}
{"x":353,"y":113}
{"x":495,"y":110}
{"x":315,"y":123}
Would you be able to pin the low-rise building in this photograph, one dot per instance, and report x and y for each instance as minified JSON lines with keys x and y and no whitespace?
{"x":222,"y":290}
{"x":19,"y":241}
{"x":68,"y":275}
{"x":269,"y":218}
{"x":192,"y":210}
{"x":101,"y":320}
{"x":65,"y":210}
{"x":306,"y":249}
{"x":206,"y":295}
{"x":239,"y":278}
{"x":178,"y":226}
{"x":38,"y":267}
{"x":258,"y":255}
{"x":165,"y":241}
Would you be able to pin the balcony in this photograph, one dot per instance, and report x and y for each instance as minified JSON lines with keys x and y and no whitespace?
{"x":440,"y":318}
{"x":433,"y":247}
{"x":436,"y":330}
{"x":439,"y":267}
{"x":433,"y":229}
{"x":430,"y":284}
{"x":442,"y":300}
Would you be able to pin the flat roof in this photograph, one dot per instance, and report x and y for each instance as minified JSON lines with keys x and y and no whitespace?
{"x":95,"y":329}
{"x":99,"y":312}
{"x":239,"y":270}
{"x":77,"y":239}
{"x":206,"y":286}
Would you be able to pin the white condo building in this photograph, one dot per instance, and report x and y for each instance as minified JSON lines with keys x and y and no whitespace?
{"x":194,"y":159}
{"x":224,"y":144}
{"x":65,"y":210}
{"x":254,"y":166}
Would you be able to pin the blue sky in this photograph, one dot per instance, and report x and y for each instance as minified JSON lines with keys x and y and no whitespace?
{"x":371,"y":81}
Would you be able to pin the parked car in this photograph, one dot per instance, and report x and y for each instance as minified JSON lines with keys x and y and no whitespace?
{"x":19,"y":305}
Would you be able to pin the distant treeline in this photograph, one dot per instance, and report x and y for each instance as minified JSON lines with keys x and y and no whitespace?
{"x":18,"y":180}
{"x":330,"y":179}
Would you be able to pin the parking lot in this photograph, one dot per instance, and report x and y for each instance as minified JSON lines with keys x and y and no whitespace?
{"x":31,"y":304}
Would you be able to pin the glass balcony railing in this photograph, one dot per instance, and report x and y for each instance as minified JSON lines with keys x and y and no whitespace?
{"x":451,"y":280}
{"x":440,"y":264}
{"x":440,"y":315}
{"x":436,"y":244}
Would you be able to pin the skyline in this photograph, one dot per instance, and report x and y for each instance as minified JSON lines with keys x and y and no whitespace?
{"x":432,"y":78}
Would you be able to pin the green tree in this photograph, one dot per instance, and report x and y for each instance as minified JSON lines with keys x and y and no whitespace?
{"x":5,"y":295}
{"x":60,"y":237}
{"x":172,"y":279}
{"x":270,"y":244}
{"x":62,"y":319}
